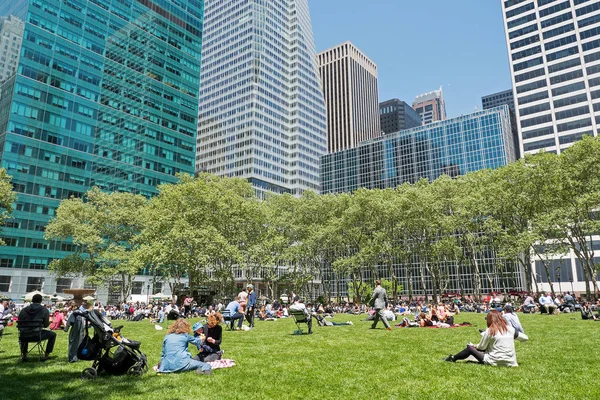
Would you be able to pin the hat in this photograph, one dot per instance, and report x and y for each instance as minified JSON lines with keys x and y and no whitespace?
{"x":250,"y":286}
{"x":508,"y":308}
{"x":197,"y":325}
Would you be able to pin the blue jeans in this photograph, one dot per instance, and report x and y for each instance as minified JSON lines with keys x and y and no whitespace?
{"x":195,"y":364}
{"x":239,"y":317}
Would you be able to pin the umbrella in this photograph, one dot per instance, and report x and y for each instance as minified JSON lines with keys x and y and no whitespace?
{"x":58,"y":298}
{"x":160,"y":296}
{"x":29,"y":296}
{"x":89,"y":298}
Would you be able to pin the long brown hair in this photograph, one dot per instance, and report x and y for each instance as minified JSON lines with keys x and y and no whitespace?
{"x":496,"y":324}
{"x":180,"y":326}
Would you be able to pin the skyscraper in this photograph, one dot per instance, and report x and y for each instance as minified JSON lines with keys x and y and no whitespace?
{"x":430,"y":106}
{"x":554,"y":54}
{"x":262,"y":114}
{"x":395,"y":115}
{"x":500,"y":99}
{"x":350,"y":88}
{"x":11,"y":36}
{"x":105,"y":95}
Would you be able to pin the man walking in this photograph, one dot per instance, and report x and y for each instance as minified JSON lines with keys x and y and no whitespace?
{"x":250,"y":305}
{"x":378,"y":301}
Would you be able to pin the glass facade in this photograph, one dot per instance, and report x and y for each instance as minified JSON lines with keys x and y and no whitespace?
{"x":453,"y":147}
{"x":105,"y":95}
{"x":262,"y":112}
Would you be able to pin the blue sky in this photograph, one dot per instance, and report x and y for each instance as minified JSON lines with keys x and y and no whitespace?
{"x":420,"y":45}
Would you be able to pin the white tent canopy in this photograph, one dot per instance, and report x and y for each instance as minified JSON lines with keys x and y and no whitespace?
{"x":29,"y":296}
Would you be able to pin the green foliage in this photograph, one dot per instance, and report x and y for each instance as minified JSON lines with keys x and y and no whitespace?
{"x":204,"y":227}
{"x":103,"y":227}
{"x":7,"y":198}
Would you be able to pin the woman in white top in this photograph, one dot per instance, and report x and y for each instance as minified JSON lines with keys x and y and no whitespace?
{"x":497,"y":346}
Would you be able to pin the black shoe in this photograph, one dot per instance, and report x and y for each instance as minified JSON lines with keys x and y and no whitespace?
{"x":24,"y":359}
{"x":450,"y":358}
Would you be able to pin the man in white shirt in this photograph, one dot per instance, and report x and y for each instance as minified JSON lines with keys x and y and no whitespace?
{"x":298,"y":306}
{"x":546,"y":303}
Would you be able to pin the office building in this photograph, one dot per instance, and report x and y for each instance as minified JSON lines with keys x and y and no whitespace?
{"x":106,"y":95}
{"x":262,"y":113}
{"x":453,"y":147}
{"x":395,"y":115}
{"x":430,"y":106}
{"x":11,"y":36}
{"x":554,"y":56}
{"x":499,"y":99}
{"x":350,"y":88}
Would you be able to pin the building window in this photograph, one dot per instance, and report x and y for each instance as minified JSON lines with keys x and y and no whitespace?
{"x":157,"y":287}
{"x":4,"y":283}
{"x":34,"y":283}
{"x":62,"y":284}
{"x":136,"y":288}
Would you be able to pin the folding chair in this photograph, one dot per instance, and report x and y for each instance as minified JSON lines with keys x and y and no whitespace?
{"x":31,"y":332}
{"x":300,"y":318}
{"x":227,"y":318}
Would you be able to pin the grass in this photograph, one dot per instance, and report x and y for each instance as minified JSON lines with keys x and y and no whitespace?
{"x":559,"y":362}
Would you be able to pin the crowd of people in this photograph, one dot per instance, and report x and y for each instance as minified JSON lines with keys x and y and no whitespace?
{"x":496,"y":346}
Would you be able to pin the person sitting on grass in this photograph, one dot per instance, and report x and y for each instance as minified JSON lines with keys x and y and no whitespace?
{"x":175,"y":355}
{"x":547,"y":304}
{"x":58,"y":321}
{"x":211,"y":334}
{"x":511,"y":318}
{"x":586,"y":312}
{"x":497,"y":346}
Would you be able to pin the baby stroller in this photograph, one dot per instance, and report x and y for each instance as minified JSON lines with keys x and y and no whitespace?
{"x":111,"y":352}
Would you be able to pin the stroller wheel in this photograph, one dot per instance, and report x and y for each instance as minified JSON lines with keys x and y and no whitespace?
{"x":89,"y":373}
{"x":136,"y":370}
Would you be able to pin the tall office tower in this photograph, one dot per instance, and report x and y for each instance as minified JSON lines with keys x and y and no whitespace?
{"x":262,"y":114}
{"x":350,"y":87}
{"x":11,"y":36}
{"x":554,"y":52}
{"x":500,"y":99}
{"x":395,"y":115}
{"x":430,"y":106}
{"x":106,"y":95}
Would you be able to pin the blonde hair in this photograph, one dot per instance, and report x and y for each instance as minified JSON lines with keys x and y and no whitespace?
{"x":215,"y":319}
{"x":180,"y":326}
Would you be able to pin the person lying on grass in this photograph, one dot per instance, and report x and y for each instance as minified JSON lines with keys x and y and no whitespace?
{"x":497,"y":346}
{"x":175,"y":354}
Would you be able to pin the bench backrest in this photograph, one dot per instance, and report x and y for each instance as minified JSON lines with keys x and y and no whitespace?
{"x":226,"y":315}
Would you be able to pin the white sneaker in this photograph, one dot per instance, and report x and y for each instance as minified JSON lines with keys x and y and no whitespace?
{"x":350,"y":323}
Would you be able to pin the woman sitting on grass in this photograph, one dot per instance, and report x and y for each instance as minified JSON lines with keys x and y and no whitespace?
{"x":497,"y":346}
{"x":175,"y":354}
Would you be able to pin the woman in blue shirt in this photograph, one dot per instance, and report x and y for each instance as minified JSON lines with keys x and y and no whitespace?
{"x":175,"y":354}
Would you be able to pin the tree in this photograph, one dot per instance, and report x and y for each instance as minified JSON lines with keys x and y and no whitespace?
{"x":7,"y":198}
{"x":102,"y":226}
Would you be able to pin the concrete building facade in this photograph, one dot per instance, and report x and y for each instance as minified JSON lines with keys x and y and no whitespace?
{"x":350,"y":88}
{"x":430,"y":106}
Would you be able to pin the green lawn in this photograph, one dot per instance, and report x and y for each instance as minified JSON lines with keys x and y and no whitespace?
{"x":560,"y":361}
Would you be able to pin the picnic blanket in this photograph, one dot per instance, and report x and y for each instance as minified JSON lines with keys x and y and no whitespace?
{"x":223,"y":363}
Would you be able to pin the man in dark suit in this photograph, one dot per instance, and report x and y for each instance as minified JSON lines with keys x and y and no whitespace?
{"x":378,"y":301}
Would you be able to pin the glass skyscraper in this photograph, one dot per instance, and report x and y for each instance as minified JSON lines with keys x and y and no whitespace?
{"x":105,"y":94}
{"x":453,"y":147}
{"x":262,"y":113}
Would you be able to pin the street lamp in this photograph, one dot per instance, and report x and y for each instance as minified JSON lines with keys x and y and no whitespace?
{"x":148,"y":294}
{"x":572,"y":291}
